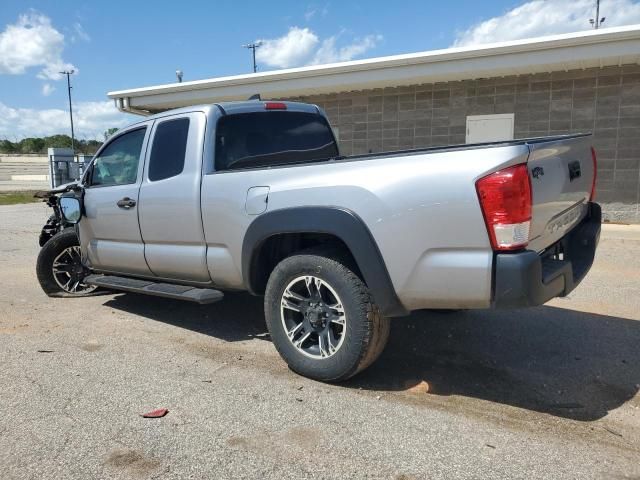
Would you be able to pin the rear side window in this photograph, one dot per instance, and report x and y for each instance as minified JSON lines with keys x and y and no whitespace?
{"x":262,"y":139}
{"x":169,"y":149}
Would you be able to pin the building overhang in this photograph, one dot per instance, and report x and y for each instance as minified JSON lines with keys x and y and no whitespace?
{"x":596,"y":48}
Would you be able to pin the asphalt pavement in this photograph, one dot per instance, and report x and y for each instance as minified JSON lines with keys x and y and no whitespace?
{"x":549,"y":392}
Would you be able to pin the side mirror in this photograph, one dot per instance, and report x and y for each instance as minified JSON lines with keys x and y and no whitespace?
{"x":71,"y":209}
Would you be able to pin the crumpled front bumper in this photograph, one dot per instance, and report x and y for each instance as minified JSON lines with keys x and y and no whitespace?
{"x":527,"y":279}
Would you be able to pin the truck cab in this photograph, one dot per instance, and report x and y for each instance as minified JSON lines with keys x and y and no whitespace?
{"x":144,"y":193}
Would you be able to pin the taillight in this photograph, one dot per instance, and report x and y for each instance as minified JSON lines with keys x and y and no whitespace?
{"x":275,"y":106}
{"x":505,"y":199}
{"x":595,"y":175}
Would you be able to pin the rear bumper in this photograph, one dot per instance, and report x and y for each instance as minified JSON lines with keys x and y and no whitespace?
{"x":526,"y":279}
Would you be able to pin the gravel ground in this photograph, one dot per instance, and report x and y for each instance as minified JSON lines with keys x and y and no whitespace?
{"x":550,"y":392}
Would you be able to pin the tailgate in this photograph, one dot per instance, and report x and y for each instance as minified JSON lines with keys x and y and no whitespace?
{"x":562,"y":172}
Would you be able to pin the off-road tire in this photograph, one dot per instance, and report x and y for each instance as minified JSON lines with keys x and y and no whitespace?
{"x":56,"y":245}
{"x":367,"y":330}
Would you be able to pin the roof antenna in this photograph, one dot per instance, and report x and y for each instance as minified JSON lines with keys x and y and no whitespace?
{"x":255,"y":96}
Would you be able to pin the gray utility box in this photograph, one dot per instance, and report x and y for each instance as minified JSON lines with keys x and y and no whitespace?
{"x":65,"y":167}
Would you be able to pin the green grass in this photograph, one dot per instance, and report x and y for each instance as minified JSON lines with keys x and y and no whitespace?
{"x":14,"y":198}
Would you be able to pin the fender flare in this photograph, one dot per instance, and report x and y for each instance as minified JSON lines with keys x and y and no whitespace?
{"x":343,"y":224}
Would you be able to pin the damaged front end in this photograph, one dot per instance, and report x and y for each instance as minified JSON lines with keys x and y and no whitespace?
{"x":55,"y":223}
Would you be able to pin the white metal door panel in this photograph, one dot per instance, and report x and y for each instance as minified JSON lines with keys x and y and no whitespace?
{"x":489,"y":128}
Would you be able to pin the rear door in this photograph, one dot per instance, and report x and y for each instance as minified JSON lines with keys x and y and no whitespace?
{"x":109,"y":230}
{"x":170,"y":215}
{"x":562,"y":173}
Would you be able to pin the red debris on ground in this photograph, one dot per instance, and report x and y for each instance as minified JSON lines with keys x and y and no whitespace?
{"x":160,"y":412}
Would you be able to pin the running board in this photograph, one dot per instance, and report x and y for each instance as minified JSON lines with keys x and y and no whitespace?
{"x":148,"y":287}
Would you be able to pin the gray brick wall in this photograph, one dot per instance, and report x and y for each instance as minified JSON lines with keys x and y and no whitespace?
{"x":605,"y":101}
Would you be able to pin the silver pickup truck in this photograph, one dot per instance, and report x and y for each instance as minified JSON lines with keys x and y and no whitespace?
{"x":255,"y":196}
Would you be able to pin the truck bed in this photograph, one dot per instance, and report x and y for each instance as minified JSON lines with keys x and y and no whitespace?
{"x":559,"y":200}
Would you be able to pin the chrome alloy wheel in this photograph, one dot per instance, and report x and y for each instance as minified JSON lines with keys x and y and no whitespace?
{"x":313,"y":317}
{"x":68,"y":272}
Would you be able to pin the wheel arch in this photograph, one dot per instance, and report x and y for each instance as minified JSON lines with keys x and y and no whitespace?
{"x":342,"y":224}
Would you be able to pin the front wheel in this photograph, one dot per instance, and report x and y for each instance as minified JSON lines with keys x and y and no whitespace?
{"x":322,"y":318}
{"x":59,"y":268}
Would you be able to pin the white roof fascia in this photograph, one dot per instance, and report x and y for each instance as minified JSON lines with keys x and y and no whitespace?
{"x":594,"y":48}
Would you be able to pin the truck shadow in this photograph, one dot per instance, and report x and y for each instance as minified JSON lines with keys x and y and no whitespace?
{"x":239,"y":316}
{"x":562,"y":362}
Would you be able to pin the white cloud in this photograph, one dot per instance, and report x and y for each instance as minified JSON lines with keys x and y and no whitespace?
{"x":329,"y":53}
{"x":313,"y":11}
{"x":32,"y":42}
{"x":547,"y":17}
{"x":90,"y":120}
{"x":80,"y":32}
{"x":293,"y":49}
{"x":47,"y":89}
{"x":301,"y":46}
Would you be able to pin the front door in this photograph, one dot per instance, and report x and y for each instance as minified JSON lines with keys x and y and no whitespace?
{"x":109,"y":230}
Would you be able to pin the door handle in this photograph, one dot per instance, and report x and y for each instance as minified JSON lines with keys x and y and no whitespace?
{"x":126,"y":203}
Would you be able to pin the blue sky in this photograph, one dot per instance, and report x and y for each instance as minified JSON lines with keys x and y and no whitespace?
{"x":120,"y":44}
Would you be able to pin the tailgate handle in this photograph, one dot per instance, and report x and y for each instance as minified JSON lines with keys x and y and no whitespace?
{"x":126,"y":202}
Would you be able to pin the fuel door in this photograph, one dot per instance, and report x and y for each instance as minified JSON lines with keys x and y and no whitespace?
{"x":257,"y":199}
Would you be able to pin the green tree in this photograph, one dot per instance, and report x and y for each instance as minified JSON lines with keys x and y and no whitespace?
{"x":7,"y":146}
{"x":40,"y":145}
{"x":32,"y":145}
{"x":57,"y":141}
{"x":108,"y":132}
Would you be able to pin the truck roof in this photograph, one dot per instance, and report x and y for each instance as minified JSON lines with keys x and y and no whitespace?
{"x":245,"y":106}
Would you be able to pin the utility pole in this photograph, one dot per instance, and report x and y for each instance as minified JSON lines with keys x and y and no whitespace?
{"x":252,"y":47}
{"x":68,"y":73}
{"x":597,"y":22}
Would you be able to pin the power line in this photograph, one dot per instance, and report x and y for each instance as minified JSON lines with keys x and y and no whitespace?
{"x":252,"y":47}
{"x":68,"y":73}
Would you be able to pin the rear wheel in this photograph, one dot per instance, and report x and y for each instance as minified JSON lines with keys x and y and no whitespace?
{"x":322,"y":318}
{"x":59,"y":268}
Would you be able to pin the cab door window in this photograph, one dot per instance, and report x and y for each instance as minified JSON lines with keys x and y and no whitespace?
{"x":169,"y":149}
{"x":118,"y":163}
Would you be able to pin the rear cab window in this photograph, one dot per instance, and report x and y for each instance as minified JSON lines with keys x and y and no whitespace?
{"x":273,"y":138}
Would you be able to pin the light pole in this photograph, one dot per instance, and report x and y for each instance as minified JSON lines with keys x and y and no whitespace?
{"x":596,"y":22}
{"x":68,"y":73}
{"x":252,"y":47}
